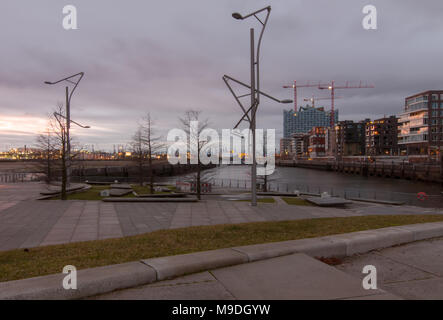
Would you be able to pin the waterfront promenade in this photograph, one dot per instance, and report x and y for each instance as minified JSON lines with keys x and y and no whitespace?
{"x":26,"y":223}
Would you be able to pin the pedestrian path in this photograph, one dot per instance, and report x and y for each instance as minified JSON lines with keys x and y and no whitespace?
{"x":291,"y":277}
{"x":25,"y":224}
{"x":412,"y":271}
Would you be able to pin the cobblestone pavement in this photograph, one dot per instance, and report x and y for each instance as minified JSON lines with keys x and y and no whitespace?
{"x":28,"y":223}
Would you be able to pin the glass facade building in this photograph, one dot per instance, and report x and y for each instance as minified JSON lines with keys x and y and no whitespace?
{"x":305,"y":119}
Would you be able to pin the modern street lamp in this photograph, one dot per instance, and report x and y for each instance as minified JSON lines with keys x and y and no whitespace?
{"x":71,"y":80}
{"x":255,"y":91}
{"x":72,"y":121}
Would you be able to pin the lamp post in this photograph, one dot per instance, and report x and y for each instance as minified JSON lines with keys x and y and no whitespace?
{"x":254,"y":91}
{"x":68,"y":116}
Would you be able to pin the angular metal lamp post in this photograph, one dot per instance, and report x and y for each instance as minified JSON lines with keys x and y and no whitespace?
{"x":255,"y":91}
{"x":68,"y":115}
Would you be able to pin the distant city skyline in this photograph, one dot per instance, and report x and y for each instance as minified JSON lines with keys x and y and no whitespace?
{"x":165,"y":58}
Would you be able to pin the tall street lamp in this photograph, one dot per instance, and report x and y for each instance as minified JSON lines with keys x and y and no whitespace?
{"x":255,"y":91}
{"x":75,"y":80}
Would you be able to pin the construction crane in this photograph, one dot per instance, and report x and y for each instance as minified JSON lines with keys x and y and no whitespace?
{"x":295,"y":86}
{"x":332,"y":87}
{"x":313,"y":99}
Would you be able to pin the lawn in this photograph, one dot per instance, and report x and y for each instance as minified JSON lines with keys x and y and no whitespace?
{"x":296,"y":201}
{"x":94,"y":193}
{"x":260,"y":200}
{"x":19,"y":264}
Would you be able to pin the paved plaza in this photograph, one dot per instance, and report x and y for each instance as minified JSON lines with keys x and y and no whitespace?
{"x":26,"y":223}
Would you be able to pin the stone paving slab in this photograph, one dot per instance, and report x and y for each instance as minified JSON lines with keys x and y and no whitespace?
{"x":199,"y":286}
{"x":21,"y":191}
{"x":25,"y":224}
{"x":411,"y":271}
{"x":296,"y":276}
{"x":6,"y":204}
{"x":328,"y":201}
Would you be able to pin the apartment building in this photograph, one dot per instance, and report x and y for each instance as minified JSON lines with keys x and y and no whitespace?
{"x":420,"y":125}
{"x":382,"y":136}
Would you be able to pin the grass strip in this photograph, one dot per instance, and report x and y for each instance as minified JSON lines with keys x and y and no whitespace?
{"x":296,"y":201}
{"x":20,"y":264}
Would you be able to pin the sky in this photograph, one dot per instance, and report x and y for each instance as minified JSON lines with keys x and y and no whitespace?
{"x":166,"y":57}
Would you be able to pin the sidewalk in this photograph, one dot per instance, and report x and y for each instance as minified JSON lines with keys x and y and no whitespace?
{"x":412,"y":271}
{"x":292,"y":277}
{"x":26,"y":224}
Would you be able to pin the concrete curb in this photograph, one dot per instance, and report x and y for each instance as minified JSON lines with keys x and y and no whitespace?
{"x":52,"y":195}
{"x":392,"y":203}
{"x":114,"y":277}
{"x":140,"y":199}
{"x":174,"y":266}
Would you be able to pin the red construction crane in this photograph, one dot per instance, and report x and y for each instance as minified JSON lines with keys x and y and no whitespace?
{"x":332,"y":87}
{"x":313,"y":99}
{"x":295,"y":86}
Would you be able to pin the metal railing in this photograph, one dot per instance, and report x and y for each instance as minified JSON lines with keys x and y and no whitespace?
{"x":18,"y":177}
{"x":431,"y":201}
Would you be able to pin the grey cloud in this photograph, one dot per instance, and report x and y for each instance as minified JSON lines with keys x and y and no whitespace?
{"x":169,"y":56}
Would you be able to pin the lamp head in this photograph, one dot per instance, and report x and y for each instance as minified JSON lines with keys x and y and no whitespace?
{"x":237,"y":16}
{"x":286,"y":101}
{"x":87,"y":127}
{"x":48,"y":82}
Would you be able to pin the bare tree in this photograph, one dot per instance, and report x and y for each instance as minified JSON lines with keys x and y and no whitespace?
{"x":194,"y":139}
{"x":138,"y":148}
{"x":145,"y":144}
{"x":58,"y":126}
{"x":46,"y":144}
{"x":153,"y":145}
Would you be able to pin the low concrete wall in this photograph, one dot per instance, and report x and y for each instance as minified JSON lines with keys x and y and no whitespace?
{"x":398,"y":170}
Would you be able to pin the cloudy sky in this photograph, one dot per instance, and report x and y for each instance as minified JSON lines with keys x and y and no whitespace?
{"x":165,"y":57}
